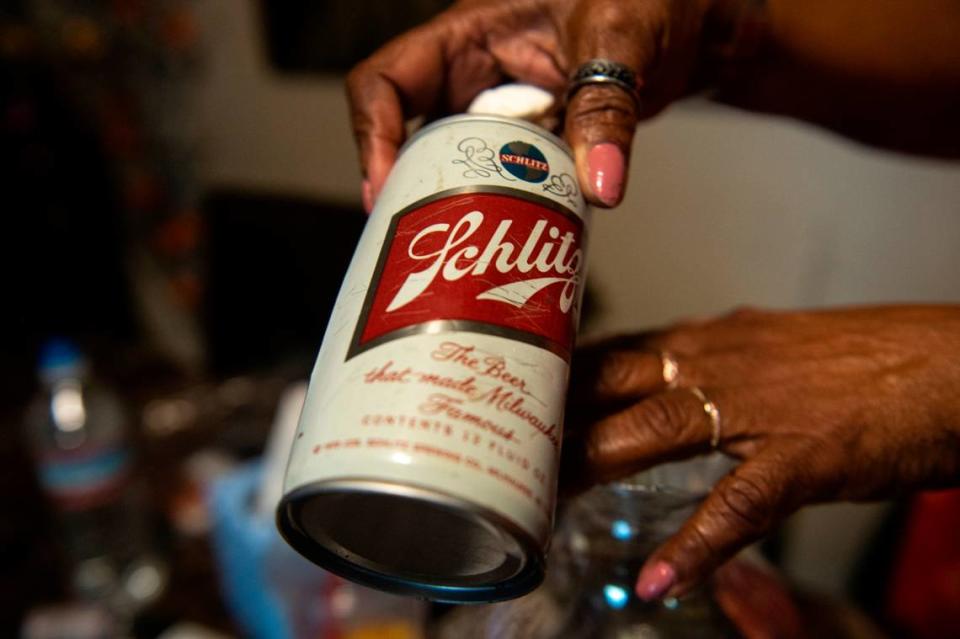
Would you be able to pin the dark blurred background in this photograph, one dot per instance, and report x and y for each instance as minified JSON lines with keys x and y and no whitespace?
{"x":180,"y":195}
{"x":170,"y":282}
{"x":102,"y":165}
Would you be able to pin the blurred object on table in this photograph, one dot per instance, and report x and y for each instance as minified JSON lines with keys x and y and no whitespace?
{"x":196,"y":435}
{"x":186,"y":433}
{"x":608,"y":535}
{"x":70,"y":621}
{"x":273,"y":592}
{"x":277,"y":449}
{"x":191,"y":631}
{"x":603,"y":538}
{"x":79,"y":433}
{"x":187,"y":507}
{"x":240,"y":542}
{"x":233,"y":414}
{"x":538,"y":615}
{"x":283,"y":302}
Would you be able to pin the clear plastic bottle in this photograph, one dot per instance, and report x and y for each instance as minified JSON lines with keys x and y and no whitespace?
{"x":609,"y":534}
{"x":603,"y":539}
{"x":77,"y":432}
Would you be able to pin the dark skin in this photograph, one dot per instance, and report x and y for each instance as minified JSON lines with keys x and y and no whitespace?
{"x":886,"y":73}
{"x":837,"y":405}
{"x":853,"y":404}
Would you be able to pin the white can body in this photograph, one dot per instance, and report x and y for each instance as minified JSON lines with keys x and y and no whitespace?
{"x":428,"y":447}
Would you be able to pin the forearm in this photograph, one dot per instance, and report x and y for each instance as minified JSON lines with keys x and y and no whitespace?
{"x":887,"y":73}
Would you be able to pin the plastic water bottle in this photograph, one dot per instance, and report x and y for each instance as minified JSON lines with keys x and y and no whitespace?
{"x":77,"y":432}
{"x":602,"y":541}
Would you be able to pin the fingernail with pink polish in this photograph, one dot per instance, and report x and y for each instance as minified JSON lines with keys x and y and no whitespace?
{"x":605,"y":165}
{"x":367,"y":196}
{"x":655,"y":580}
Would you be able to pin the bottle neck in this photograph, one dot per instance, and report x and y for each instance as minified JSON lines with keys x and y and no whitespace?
{"x":68,"y":410}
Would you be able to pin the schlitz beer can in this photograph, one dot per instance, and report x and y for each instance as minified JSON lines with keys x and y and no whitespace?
{"x":426,"y":457}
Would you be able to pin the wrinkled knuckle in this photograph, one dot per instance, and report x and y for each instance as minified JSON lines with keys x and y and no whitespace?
{"x":362,"y":124}
{"x":594,"y":450}
{"x":613,"y":14}
{"x":660,"y":416}
{"x":745,"y":501}
{"x":603,"y":105}
{"x":615,"y":373}
{"x":702,"y":545}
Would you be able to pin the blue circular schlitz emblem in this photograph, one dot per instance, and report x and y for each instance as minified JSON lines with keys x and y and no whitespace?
{"x":524,"y":161}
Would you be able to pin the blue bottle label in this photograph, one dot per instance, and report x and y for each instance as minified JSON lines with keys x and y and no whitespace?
{"x":83,"y":479}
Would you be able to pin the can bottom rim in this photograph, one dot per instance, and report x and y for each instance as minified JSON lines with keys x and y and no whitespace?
{"x":410,"y":540}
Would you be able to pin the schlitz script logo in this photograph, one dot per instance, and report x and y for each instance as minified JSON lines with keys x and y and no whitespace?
{"x":483,"y":262}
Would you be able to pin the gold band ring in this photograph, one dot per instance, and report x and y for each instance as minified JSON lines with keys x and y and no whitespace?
{"x":713,"y":413}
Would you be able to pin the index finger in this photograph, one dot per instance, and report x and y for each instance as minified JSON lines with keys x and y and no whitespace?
{"x":401,"y":80}
{"x":742,"y":507}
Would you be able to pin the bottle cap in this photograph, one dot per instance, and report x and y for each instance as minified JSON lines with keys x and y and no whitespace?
{"x":59,"y":358}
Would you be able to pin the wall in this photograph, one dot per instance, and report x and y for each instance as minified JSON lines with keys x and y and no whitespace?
{"x":266,"y":131}
{"x":726,"y":208}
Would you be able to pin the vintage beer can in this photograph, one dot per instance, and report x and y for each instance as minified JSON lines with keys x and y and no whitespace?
{"x":426,"y":457}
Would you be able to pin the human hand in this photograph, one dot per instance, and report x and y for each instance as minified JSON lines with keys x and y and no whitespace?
{"x":850,"y":404}
{"x":441,"y":66}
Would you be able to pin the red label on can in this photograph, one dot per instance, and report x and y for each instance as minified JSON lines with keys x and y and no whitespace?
{"x":488,"y":262}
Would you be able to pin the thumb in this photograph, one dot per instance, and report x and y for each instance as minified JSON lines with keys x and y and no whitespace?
{"x":601,"y":118}
{"x":741,"y":508}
